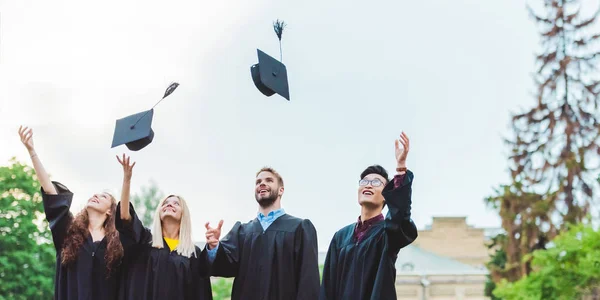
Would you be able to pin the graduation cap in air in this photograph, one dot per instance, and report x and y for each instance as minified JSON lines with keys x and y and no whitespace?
{"x":269,"y":74}
{"x":135,"y":131}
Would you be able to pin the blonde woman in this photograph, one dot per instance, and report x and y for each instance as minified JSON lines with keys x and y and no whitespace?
{"x":164,"y":263}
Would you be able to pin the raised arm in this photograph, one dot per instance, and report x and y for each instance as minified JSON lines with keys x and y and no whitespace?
{"x":56,"y":197}
{"x":126,"y":190}
{"x":398,"y":196}
{"x":26,"y":135}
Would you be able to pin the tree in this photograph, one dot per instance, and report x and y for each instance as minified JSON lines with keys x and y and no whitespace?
{"x":555,"y":143}
{"x":27,"y":260}
{"x":146,"y":201}
{"x":526,"y":222}
{"x":558,"y":139}
{"x":569,"y":270}
{"x":497,"y":263}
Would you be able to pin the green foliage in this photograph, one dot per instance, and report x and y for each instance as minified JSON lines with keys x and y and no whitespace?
{"x":497,"y":262}
{"x":27,"y":259}
{"x":146,"y":201}
{"x":321,"y":273}
{"x":489,"y":288}
{"x":568,"y":270}
{"x":221,"y":288}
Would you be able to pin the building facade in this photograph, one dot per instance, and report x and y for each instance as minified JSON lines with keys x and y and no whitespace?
{"x":446,"y":262}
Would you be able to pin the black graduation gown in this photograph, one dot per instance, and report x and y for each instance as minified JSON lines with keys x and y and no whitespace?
{"x":366,"y":270}
{"x":84,"y":278}
{"x":277,"y":264}
{"x":151,"y":273}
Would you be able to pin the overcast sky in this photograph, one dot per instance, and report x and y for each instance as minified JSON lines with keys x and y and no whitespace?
{"x":448,"y":73}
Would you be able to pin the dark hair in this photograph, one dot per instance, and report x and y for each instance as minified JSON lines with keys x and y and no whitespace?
{"x":375,"y":169}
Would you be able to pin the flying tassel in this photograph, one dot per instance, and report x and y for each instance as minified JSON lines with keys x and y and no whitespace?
{"x":168,"y":92}
{"x":170,"y":89}
{"x":278,"y":27}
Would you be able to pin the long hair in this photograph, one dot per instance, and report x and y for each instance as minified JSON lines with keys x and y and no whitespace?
{"x":185,"y":247}
{"x":78,"y":232}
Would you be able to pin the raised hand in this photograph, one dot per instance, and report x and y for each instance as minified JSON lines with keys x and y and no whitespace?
{"x":402,"y":152}
{"x":127,"y":167}
{"x":213,"y":234}
{"x":26,"y":135}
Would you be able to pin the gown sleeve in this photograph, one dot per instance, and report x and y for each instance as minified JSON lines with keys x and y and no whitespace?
{"x":399,"y":227}
{"x":307,"y":264}
{"x":227,"y":260}
{"x":132,"y":232}
{"x":56,"y":208}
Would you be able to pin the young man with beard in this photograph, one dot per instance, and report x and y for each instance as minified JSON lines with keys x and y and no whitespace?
{"x":271,"y":257}
{"x":361,"y":259}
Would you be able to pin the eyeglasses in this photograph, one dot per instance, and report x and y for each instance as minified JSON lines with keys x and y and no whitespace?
{"x":374,"y":182}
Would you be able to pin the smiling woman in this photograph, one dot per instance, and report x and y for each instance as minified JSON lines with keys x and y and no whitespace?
{"x":166,"y":255}
{"x":87,"y":245}
{"x":172,"y":219}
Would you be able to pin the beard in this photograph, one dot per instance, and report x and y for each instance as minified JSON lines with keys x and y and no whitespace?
{"x":266,"y":201}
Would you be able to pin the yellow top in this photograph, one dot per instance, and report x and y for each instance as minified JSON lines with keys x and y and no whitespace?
{"x":172,"y":243}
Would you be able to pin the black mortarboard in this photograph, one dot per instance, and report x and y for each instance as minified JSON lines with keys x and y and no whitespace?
{"x":134,"y":136}
{"x":270,"y":75}
{"x":135,"y":131}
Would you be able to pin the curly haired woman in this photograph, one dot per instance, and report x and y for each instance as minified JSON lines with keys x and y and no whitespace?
{"x":88,"y":248}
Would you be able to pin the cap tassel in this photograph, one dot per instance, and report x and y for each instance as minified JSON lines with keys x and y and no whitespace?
{"x":278,"y":27}
{"x":170,"y":89}
{"x":168,"y":92}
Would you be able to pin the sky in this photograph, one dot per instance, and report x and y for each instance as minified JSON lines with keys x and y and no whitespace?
{"x":448,"y":73}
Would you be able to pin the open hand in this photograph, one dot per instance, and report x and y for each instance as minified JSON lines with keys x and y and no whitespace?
{"x":213,"y":234}
{"x":127,"y":167}
{"x":26,"y":135}
{"x":402,"y":152}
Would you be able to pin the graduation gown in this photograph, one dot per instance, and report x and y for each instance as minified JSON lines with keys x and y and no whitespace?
{"x":150,"y":273}
{"x":279,"y":263}
{"x":84,"y":278}
{"x":366,"y":270}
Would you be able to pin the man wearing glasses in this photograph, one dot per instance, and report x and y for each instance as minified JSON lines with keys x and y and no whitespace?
{"x":361,"y":257}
